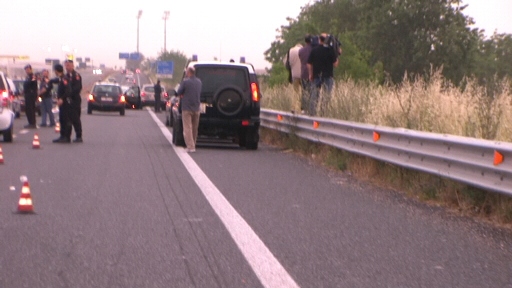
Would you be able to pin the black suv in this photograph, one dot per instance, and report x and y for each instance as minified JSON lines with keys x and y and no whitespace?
{"x":230,"y":104}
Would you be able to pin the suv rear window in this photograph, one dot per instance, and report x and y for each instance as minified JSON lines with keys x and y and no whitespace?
{"x":2,"y":85}
{"x":107,"y":89}
{"x":214,"y":78}
{"x":150,"y":89}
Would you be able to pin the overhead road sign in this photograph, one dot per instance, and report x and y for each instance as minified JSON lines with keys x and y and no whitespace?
{"x":135,"y":56}
{"x":124,"y":55}
{"x":164,"y":69}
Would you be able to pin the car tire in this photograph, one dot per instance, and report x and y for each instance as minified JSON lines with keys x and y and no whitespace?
{"x":17,"y":115}
{"x":121,"y":112}
{"x":167,"y":121}
{"x":177,"y":134}
{"x":8,"y":134}
{"x":89,"y":110}
{"x":252,"y":138}
{"x":242,"y":138}
{"x":223,"y":98}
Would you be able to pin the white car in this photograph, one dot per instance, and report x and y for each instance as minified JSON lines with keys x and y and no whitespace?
{"x":6,"y":113}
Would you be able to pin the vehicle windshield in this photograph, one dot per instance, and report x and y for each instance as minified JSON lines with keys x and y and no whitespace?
{"x":2,"y":85}
{"x":150,"y":89}
{"x":107,"y":89}
{"x":214,"y":78}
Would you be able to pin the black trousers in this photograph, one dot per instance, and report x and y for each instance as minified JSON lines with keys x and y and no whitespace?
{"x":65,"y":123}
{"x":158,"y":104}
{"x":74,"y":117}
{"x":30,"y":108}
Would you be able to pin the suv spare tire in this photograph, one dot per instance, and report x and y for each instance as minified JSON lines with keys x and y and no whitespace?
{"x":229,"y":100}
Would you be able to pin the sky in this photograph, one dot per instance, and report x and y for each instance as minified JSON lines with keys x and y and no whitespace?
{"x":224,"y":29}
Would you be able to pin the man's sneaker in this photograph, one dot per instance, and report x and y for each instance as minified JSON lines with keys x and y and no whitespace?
{"x":62,"y":140}
{"x":43,"y":125}
{"x":78,"y":140}
{"x":191,"y":150}
{"x":30,"y":126}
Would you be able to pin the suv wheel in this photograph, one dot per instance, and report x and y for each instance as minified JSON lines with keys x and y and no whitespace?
{"x":252,"y":138}
{"x":89,"y":110}
{"x":8,"y":134}
{"x":121,"y":112}
{"x":177,"y":134}
{"x":229,"y":100}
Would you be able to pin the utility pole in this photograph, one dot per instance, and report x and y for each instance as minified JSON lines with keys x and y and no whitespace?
{"x":138,"y":18}
{"x":166,"y":17}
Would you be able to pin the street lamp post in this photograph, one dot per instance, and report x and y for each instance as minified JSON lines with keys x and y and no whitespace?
{"x":138,"y":17}
{"x":166,"y":17}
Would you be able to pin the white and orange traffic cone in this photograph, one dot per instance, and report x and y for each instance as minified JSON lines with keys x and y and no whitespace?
{"x":25,"y":203}
{"x":57,"y":127}
{"x":35,"y":142}
{"x":1,"y":156}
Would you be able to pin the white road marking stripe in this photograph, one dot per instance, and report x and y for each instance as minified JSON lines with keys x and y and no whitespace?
{"x":268,"y":269}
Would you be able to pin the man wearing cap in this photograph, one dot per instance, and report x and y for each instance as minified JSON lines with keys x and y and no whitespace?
{"x":46,"y":99}
{"x":30,"y":92}
{"x":76,"y":100}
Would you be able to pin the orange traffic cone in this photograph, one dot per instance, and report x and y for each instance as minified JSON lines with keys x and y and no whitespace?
{"x":1,"y":156}
{"x":25,"y":203}
{"x":57,"y":127}
{"x":35,"y":142}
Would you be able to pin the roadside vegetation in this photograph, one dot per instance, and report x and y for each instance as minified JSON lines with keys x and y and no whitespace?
{"x":399,"y":68}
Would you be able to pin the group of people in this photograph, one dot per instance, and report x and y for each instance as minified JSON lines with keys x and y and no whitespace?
{"x":68,"y":100}
{"x":312,"y":71}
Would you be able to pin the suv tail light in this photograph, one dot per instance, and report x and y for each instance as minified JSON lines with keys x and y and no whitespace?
{"x":143,"y":94}
{"x":122,"y":99}
{"x":91,"y":97}
{"x":255,"y":92}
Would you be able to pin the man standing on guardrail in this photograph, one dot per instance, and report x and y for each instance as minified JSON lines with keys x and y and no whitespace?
{"x":30,"y":93}
{"x":321,"y":63}
{"x":190,"y":94}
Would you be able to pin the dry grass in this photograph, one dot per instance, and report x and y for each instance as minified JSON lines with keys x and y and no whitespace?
{"x":427,"y":105}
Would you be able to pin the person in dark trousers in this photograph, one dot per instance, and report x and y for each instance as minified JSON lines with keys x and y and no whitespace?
{"x":64,"y":103}
{"x":190,"y":93}
{"x":321,"y":63}
{"x":304,"y":74}
{"x":158,"y":96}
{"x":76,"y":100}
{"x":46,"y":99}
{"x":30,"y":92}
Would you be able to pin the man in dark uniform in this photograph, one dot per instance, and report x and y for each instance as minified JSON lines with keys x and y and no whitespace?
{"x":76,"y":100}
{"x":158,"y":96}
{"x":30,"y":91}
{"x":64,"y":102}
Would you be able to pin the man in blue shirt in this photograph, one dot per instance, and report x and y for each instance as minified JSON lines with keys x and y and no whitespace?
{"x":190,"y":94}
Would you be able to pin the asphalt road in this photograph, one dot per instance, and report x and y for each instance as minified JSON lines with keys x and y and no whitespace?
{"x":125,"y":209}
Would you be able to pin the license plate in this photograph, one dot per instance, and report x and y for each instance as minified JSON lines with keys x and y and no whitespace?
{"x":203,"y":108}
{"x":106,"y":99}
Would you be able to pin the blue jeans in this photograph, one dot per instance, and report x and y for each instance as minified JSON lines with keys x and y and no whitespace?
{"x":320,"y":84}
{"x":46,"y":108}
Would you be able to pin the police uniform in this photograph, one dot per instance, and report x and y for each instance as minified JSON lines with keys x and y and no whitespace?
{"x":75,"y":81}
{"x":64,"y":94}
{"x":30,"y":92}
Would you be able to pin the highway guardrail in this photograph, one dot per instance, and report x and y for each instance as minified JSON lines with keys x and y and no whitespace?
{"x":477,"y":162}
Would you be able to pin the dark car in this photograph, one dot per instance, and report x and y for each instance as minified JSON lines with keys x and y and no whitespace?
{"x":230,"y":104}
{"x":106,"y":97}
{"x":132,"y":97}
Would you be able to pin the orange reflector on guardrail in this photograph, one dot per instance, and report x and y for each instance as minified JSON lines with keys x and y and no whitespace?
{"x":376,"y":136}
{"x":498,"y":158}
{"x":279,"y":117}
{"x":316,"y":124}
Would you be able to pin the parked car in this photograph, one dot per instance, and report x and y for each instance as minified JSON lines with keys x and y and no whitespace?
{"x":106,"y":97}
{"x":14,"y":95}
{"x":230,"y":104}
{"x":132,"y":95}
{"x":6,"y":113}
{"x":148,"y":95}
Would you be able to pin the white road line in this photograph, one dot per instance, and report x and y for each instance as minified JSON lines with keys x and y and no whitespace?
{"x":268,"y":269}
